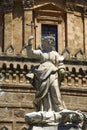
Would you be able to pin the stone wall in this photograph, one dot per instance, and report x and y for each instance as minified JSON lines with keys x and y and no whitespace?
{"x":7,"y":30}
{"x":75,"y":32}
{"x":74,"y":86}
{"x":22,"y":21}
{"x":14,"y":29}
{"x":1,"y":31}
{"x":17,"y":93}
{"x":15,"y":102}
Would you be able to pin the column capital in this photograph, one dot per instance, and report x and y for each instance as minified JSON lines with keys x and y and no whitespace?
{"x":70,"y":7}
{"x":6,"y":6}
{"x":28,"y":4}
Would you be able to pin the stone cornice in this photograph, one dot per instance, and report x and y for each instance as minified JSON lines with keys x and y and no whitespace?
{"x":6,"y":6}
{"x":79,"y":6}
{"x":16,"y":58}
{"x":28,"y":4}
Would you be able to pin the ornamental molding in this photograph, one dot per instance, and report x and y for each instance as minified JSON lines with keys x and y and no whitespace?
{"x":28,"y":4}
{"x":9,"y":50}
{"x":70,"y":6}
{"x":77,"y":6}
{"x":6,"y":6}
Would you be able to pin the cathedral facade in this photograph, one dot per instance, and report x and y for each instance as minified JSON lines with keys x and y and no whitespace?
{"x":66,"y":21}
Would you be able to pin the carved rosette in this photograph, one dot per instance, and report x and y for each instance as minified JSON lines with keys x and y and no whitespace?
{"x":70,"y":6}
{"x":6,"y":5}
{"x":27,"y":4}
{"x":76,"y":5}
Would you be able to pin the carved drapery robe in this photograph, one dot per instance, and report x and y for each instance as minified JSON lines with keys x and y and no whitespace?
{"x":48,"y":97}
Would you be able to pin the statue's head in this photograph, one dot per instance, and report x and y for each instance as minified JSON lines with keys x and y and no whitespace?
{"x":48,"y":43}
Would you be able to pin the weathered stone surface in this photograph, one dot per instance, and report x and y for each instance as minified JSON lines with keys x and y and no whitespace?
{"x":58,"y":127}
{"x":28,"y":29}
{"x":16,"y":97}
{"x":1,"y":32}
{"x":17,"y":27}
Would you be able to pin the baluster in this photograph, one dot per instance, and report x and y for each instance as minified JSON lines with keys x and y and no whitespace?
{"x":21,"y":78}
{"x":14,"y":77}
{"x":76,"y":81}
{"x":7,"y":77}
{"x":72,"y":79}
{"x":84,"y":82}
{"x":69,"y":81}
{"x":80,"y":80}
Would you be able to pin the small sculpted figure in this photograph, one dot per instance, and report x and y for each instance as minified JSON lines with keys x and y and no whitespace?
{"x":52,"y":118}
{"x":47,"y":76}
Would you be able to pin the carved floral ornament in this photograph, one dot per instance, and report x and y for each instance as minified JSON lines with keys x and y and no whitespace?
{"x":28,"y":3}
{"x":6,"y":5}
{"x":76,"y":5}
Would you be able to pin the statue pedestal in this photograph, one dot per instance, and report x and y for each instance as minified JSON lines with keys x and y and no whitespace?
{"x":63,"y":120}
{"x":56,"y":127}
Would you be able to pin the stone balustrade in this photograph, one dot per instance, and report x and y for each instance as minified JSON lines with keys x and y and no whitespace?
{"x":17,"y":94}
{"x":14,"y":71}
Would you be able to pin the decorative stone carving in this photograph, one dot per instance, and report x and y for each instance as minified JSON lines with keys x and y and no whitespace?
{"x":9,"y":50}
{"x":6,"y":6}
{"x":79,"y":54}
{"x":4,"y":128}
{"x":70,"y":6}
{"x":82,"y":2}
{"x":85,"y":10}
{"x":76,"y":5}
{"x":1,"y":77}
{"x":55,"y":118}
{"x":66,"y":53}
{"x":28,"y":3}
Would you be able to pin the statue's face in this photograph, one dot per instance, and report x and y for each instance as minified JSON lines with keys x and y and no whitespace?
{"x":48,"y":43}
{"x":49,"y":40}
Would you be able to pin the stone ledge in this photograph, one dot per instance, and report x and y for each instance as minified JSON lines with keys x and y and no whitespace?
{"x":56,"y":127}
{"x":17,"y":105}
{"x":74,"y":89}
{"x":25,"y":86}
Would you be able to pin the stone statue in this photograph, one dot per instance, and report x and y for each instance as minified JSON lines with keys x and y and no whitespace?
{"x":48,"y":76}
{"x":53,"y":118}
{"x":51,"y":112}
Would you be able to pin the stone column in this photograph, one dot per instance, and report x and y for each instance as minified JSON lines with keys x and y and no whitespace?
{"x":85,"y":28}
{"x":38,"y":35}
{"x":70,"y":31}
{"x":1,"y":32}
{"x":27,"y":24}
{"x":17,"y":26}
{"x":78,"y":32}
{"x":7,"y":29}
{"x":74,"y":32}
{"x":61,"y":36}
{"x":28,"y":19}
